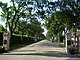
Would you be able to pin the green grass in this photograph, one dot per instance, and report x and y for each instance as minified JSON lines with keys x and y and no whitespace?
{"x":1,"y":31}
{"x":61,"y":45}
{"x":16,"y":46}
{"x":19,"y":35}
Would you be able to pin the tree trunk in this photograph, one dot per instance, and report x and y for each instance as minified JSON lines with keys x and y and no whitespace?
{"x":22,"y":37}
{"x":10,"y":38}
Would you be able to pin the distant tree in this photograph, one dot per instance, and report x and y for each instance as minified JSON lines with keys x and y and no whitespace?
{"x":22,"y":26}
{"x":35,"y":28}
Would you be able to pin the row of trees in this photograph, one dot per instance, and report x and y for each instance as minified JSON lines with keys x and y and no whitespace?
{"x":66,"y":15}
{"x":58,"y":21}
{"x":20,"y":18}
{"x":57,"y":14}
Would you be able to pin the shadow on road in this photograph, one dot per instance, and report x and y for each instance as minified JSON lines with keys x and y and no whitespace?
{"x":42,"y":48}
{"x":46,"y":53}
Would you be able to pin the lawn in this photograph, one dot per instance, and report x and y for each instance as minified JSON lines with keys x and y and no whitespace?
{"x":16,"y":46}
{"x":61,"y":45}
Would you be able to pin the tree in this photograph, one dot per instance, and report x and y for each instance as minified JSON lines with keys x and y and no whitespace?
{"x":58,"y":21}
{"x":18,"y":9}
{"x":31,"y":27}
{"x":72,"y":5}
{"x":35,"y":28}
{"x":13,"y":13}
{"x":22,"y":26}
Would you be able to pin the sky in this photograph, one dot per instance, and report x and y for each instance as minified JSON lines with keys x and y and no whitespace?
{"x":8,"y":1}
{"x":5,"y":1}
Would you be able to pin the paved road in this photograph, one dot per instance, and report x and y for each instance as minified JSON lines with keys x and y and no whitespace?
{"x":43,"y":50}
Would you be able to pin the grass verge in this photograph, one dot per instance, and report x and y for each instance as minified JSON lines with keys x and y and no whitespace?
{"x":61,"y":45}
{"x":16,"y":46}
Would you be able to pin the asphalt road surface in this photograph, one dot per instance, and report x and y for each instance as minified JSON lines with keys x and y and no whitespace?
{"x":43,"y":50}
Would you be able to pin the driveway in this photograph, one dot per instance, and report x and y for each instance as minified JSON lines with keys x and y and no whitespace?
{"x":43,"y":50}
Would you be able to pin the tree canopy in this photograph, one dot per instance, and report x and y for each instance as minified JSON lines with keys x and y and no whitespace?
{"x":57,"y":14}
{"x":66,"y":15}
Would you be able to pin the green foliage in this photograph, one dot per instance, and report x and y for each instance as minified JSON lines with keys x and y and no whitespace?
{"x":58,"y":21}
{"x":13,"y":13}
{"x":35,"y":28}
{"x":72,"y":5}
{"x":26,"y":13}
{"x":31,"y":28}
{"x":62,"y":45}
{"x":21,"y":9}
{"x":2,"y":29}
